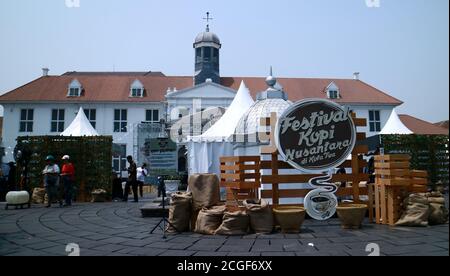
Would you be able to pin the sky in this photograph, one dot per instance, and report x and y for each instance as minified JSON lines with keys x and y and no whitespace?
{"x":400,"y":47}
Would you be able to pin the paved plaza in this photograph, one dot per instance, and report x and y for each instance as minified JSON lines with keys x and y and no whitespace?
{"x":118,"y":229}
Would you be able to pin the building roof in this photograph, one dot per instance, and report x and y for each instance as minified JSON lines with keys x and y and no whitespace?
{"x":1,"y":128}
{"x":207,"y":37}
{"x":419,"y":126}
{"x":115,"y":87}
{"x":443,"y":124}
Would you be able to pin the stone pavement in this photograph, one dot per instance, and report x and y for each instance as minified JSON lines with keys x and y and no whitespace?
{"x":118,"y":229}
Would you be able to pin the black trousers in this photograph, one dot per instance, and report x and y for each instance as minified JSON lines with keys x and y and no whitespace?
{"x":134,"y":186}
{"x":161,"y":190}
{"x":141,"y":188}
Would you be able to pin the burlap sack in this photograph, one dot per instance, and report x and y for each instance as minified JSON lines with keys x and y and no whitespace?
{"x":38,"y":196}
{"x":234,"y":224}
{"x":209,"y":220}
{"x":438,"y":214}
{"x":99,"y":195}
{"x":261,"y":216}
{"x":180,"y":212}
{"x":437,"y":200}
{"x":194,"y":215}
{"x":205,"y":190}
{"x":417,"y":210}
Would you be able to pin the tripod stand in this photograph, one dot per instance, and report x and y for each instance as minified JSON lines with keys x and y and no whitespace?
{"x":164,"y":221}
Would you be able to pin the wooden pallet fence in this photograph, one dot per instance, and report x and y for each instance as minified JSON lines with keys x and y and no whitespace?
{"x":393,"y":182}
{"x":241,"y":177}
{"x":355,"y":186}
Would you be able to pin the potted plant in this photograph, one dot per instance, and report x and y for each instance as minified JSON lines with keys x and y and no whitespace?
{"x":351,"y":215}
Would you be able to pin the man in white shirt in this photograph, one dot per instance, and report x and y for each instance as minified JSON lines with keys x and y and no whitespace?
{"x":141,"y":174}
{"x":51,"y":180}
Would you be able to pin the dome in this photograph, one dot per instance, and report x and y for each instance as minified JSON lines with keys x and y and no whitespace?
{"x":274,"y":99}
{"x":249,"y":123}
{"x":207,"y":37}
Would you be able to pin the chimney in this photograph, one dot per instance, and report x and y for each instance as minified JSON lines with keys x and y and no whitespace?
{"x":356,"y":76}
{"x":45,"y":72}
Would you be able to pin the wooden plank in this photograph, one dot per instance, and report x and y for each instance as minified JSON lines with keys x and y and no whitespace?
{"x":229,"y":159}
{"x":416,"y":173}
{"x":239,"y":168}
{"x":393,"y":157}
{"x":239,"y":159}
{"x":267,"y":165}
{"x":392,"y":165}
{"x":299,"y":193}
{"x":275,"y":188}
{"x":419,"y":181}
{"x":377,"y":203}
{"x":390,"y":208}
{"x":230,"y":176}
{"x":355,"y":170}
{"x":371,"y":194}
{"x":240,"y":185}
{"x":229,"y":167}
{"x":251,"y":176}
{"x":393,"y":172}
{"x":360,"y":149}
{"x":383,"y":206}
{"x":395,"y":181}
{"x":360,"y":122}
{"x":304,"y":178}
{"x":360,"y":136}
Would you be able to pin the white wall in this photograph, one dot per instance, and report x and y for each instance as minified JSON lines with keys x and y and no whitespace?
{"x":362,"y":111}
{"x":104,"y":122}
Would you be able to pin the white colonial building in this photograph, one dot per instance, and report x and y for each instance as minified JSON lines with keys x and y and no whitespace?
{"x":120,"y":103}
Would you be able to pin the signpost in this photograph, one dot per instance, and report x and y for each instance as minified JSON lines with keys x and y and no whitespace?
{"x":316,"y":136}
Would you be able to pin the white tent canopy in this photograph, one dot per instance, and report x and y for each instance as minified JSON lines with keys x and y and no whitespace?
{"x":395,"y":126}
{"x":204,"y":151}
{"x":80,"y":126}
{"x":226,"y":126}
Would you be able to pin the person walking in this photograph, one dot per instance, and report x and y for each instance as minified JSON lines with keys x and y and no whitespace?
{"x":68,"y":178}
{"x":51,"y":180}
{"x":141,"y":174}
{"x":12,"y":183}
{"x":132,"y":180}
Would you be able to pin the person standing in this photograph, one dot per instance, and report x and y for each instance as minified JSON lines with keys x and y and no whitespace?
{"x":132,"y":180}
{"x":68,"y":177}
{"x":161,"y":187}
{"x":4,"y":171}
{"x":141,"y":174}
{"x":51,"y":180}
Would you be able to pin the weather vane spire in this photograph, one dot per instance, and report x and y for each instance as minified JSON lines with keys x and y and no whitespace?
{"x":207,"y":18}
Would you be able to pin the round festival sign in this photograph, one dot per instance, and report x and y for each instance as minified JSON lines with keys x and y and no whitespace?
{"x":316,"y":136}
